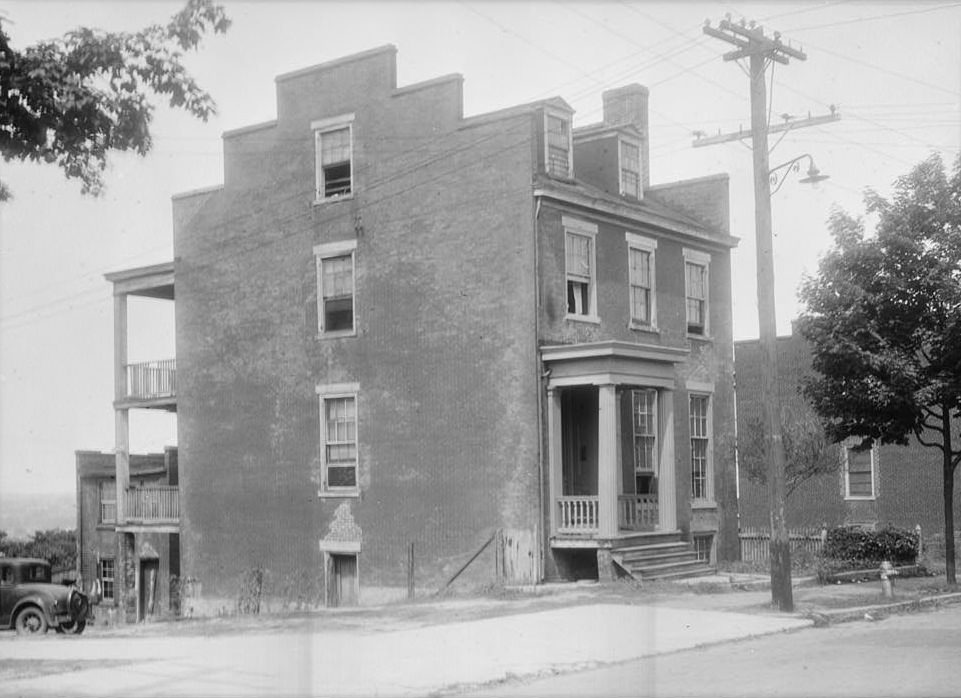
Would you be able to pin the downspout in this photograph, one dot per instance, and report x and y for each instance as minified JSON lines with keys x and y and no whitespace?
{"x":541,"y":538}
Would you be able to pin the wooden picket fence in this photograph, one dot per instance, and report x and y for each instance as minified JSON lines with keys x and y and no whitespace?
{"x":756,"y":542}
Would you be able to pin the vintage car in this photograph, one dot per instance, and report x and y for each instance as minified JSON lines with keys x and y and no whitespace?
{"x":31,"y":603}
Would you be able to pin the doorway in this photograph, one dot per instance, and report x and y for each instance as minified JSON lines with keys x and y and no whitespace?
{"x":342,"y":580}
{"x":149,"y":571}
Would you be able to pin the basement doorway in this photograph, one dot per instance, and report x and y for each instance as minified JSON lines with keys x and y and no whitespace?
{"x":342,"y":583}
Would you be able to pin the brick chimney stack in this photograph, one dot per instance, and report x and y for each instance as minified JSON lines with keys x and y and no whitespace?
{"x":628,"y":105}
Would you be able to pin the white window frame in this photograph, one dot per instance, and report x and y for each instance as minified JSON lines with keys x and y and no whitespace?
{"x":574,"y":226}
{"x":103,"y":579}
{"x":333,"y":392}
{"x":639,"y":194}
{"x":702,"y":259}
{"x":705,"y":391}
{"x":110,"y":487}
{"x":548,"y":115}
{"x":845,"y":449}
{"x":654,"y":470}
{"x":648,"y":245}
{"x":319,"y":128}
{"x":330,"y":250}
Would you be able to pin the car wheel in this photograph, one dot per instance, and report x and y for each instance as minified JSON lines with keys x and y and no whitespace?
{"x":30,"y":621}
{"x":72,"y":627}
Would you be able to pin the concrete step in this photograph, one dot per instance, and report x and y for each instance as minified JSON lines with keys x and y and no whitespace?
{"x":700,"y":570}
{"x":626,"y":540}
{"x":658,"y":559}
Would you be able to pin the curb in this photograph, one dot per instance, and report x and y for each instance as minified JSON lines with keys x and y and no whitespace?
{"x":846,"y":615}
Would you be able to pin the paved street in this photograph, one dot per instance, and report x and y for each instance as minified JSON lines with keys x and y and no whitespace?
{"x":415,"y":661}
{"x":909,"y":655}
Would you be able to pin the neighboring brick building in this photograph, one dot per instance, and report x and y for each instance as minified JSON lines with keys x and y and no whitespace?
{"x":396,"y":325}
{"x":893,"y":485}
{"x":139,"y":575}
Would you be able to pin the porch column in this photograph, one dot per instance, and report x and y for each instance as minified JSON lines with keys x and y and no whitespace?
{"x":607,"y":471}
{"x":554,"y":456}
{"x":667,"y":477}
{"x":121,"y":416}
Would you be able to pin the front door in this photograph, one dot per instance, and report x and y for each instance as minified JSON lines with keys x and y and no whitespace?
{"x":149,"y":570}
{"x":342,"y":580}
{"x":579,"y":435}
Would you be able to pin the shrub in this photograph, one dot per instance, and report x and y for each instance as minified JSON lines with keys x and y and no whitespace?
{"x":252,"y":587}
{"x":860,"y":546}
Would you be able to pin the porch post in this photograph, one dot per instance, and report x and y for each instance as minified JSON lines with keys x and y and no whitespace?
{"x":607,"y":472}
{"x":554,"y":455}
{"x":667,"y":477}
{"x":121,"y":415}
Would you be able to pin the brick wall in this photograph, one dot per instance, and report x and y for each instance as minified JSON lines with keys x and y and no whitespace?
{"x":441,"y":215}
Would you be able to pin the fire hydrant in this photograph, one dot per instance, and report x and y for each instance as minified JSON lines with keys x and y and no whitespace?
{"x":887,"y":582}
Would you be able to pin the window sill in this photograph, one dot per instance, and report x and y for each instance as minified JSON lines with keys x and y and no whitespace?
{"x":333,"y":199}
{"x":849,"y":498}
{"x":339,"y":334}
{"x":338,"y":494}
{"x":592,"y":319}
{"x":700,"y":337}
{"x":639,"y":327}
{"x":106,"y":526}
{"x":703,"y":504}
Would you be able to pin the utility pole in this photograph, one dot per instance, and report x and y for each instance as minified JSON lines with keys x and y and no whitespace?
{"x":750,"y":42}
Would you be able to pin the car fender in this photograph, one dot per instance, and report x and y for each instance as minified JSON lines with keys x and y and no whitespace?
{"x":34,"y":600}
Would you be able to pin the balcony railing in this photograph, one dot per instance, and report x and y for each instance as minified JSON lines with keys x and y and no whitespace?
{"x":637,"y":512}
{"x":152,"y":379}
{"x":577,"y":514}
{"x":153,"y":505}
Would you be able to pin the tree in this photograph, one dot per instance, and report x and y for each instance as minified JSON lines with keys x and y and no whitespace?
{"x":73,"y":100}
{"x":804,"y":448}
{"x":57,"y":546}
{"x":884,"y":321}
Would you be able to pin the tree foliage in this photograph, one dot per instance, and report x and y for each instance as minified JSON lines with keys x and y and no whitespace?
{"x":884,"y":321}
{"x":73,"y":100}
{"x":57,"y":546}
{"x":804,"y":448}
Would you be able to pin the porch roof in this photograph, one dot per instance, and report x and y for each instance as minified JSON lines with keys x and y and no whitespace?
{"x":612,"y":362}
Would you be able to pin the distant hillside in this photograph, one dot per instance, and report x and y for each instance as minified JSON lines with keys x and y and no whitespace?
{"x":23,"y":514}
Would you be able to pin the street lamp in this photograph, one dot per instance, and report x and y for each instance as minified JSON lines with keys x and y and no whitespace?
{"x":777,"y":175}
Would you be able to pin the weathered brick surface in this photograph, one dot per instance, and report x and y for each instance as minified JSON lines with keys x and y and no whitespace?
{"x":909,"y":477}
{"x":447,"y":415}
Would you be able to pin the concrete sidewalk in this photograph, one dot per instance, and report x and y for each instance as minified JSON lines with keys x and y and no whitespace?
{"x":407,"y":662}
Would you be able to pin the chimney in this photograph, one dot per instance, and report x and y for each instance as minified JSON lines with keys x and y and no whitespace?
{"x":628,"y":105}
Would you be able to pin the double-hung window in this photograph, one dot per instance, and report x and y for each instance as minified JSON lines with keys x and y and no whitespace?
{"x":640,"y":258}
{"x":700,"y":422}
{"x":107,"y":579}
{"x":558,"y":144}
{"x":644,"y":418}
{"x":696,"y":265}
{"x":630,"y":165}
{"x":335,"y":287}
{"x":580,"y":263}
{"x":108,"y":502}
{"x":859,"y":473}
{"x":338,"y":436}
{"x":334,"y":146}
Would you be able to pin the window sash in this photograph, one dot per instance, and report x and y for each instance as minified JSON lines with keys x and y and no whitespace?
{"x":860,"y":473}
{"x":644,"y":423}
{"x":340,"y":441}
{"x":107,"y":578}
{"x":558,"y":146}
{"x":334,"y":160}
{"x":700,"y":427}
{"x":696,"y":291}
{"x":336,"y":284}
{"x":640,"y":280}
{"x":630,"y":169}
{"x":108,"y":502}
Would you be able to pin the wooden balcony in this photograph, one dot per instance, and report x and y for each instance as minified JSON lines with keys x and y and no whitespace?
{"x":152,"y":506}
{"x":151,"y":384}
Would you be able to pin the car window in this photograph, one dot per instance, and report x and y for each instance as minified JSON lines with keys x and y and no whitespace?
{"x":6,"y":574}
{"x":38,"y":573}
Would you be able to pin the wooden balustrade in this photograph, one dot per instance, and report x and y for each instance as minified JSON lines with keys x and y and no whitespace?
{"x":152,"y":379}
{"x":152,"y":505}
{"x":637,"y":511}
{"x":577,"y":514}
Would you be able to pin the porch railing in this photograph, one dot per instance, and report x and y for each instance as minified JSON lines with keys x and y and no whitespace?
{"x":152,"y":379}
{"x":637,"y":511}
{"x":153,"y":505}
{"x":577,"y":514}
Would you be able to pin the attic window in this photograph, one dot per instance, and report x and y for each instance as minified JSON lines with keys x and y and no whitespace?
{"x":558,"y":146}
{"x":630,"y":163}
{"x":333,"y":140}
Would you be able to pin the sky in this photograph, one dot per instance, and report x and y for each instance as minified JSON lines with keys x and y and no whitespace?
{"x":893,"y":70}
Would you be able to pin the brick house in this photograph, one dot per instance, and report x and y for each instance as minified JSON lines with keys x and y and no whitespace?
{"x":893,"y":485}
{"x":488,"y":336}
{"x":139,"y":575}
